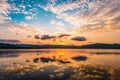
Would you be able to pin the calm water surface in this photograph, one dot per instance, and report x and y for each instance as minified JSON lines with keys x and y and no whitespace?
{"x":59,"y":64}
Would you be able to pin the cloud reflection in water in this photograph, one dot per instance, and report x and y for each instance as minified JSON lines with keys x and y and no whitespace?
{"x":57,"y":65}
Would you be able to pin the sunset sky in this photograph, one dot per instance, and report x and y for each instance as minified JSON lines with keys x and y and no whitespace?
{"x":59,"y":22}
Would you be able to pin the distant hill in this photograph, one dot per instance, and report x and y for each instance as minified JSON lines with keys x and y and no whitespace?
{"x":101,"y":46}
{"x":30,"y":46}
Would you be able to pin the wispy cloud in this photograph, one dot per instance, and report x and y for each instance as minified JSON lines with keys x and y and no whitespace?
{"x":63,"y":35}
{"x":4,"y":6}
{"x":105,"y":26}
{"x":56,"y":23}
{"x":19,"y":28}
{"x":84,"y":12}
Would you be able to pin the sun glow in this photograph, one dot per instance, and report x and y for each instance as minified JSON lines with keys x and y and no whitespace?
{"x":61,"y":43}
{"x":61,"y":52}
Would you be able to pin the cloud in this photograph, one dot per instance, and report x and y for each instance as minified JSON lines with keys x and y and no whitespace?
{"x":105,"y":26}
{"x":63,"y":35}
{"x":79,"y":38}
{"x":9,"y":41}
{"x":28,"y":17}
{"x":27,"y":9}
{"x":29,"y":36}
{"x":91,"y":28}
{"x":37,"y":37}
{"x":4,"y":6}
{"x":45,"y":37}
{"x":57,"y":23}
{"x":26,"y":27}
{"x":85,"y":12}
{"x":60,"y":75}
{"x":53,"y":22}
{"x":20,"y":28}
{"x":60,"y":24}
{"x":69,"y":11}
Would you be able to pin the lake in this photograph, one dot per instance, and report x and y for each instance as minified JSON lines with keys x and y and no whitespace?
{"x":59,"y":64}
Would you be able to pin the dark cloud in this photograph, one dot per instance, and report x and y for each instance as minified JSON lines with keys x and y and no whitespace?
{"x":29,"y":36}
{"x":37,"y":37}
{"x":54,"y":39}
{"x":63,"y":35}
{"x":16,"y":33}
{"x":9,"y":41}
{"x":38,"y":42}
{"x":45,"y":37}
{"x":79,"y":38}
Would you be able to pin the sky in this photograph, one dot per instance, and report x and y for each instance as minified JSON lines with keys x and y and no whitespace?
{"x":59,"y":22}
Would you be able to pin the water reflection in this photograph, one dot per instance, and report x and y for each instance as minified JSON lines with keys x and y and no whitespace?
{"x":8,"y":55}
{"x":106,"y":53}
{"x":79,"y":58}
{"x":59,"y":64}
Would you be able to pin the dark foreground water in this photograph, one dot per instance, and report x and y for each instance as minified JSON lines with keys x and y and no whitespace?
{"x":59,"y":64}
